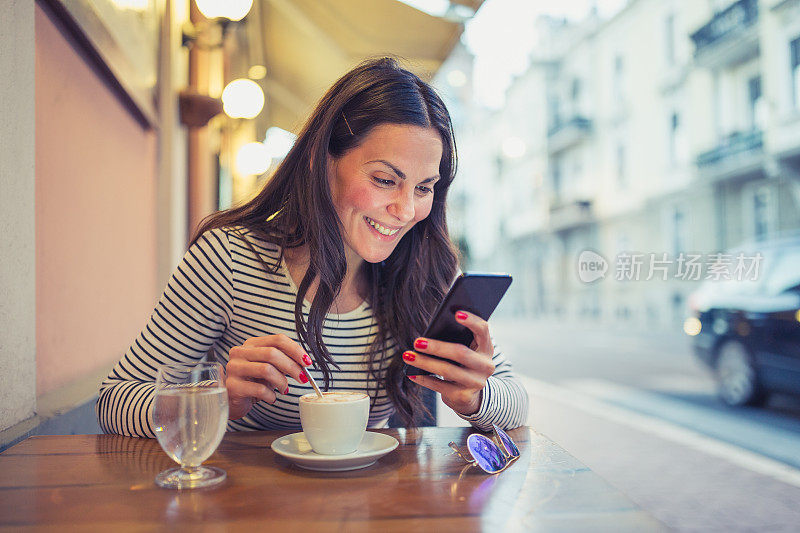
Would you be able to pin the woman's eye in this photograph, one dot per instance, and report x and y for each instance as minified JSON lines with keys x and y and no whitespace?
{"x":424,"y":190}
{"x":381,"y":181}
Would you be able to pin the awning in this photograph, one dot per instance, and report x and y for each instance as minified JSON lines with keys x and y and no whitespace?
{"x":307,"y":44}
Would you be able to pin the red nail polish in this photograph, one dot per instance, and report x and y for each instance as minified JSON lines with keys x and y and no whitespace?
{"x":420,"y":344}
{"x":461,"y":315}
{"x":412,"y":378}
{"x":306,"y":359}
{"x":287,"y":390}
{"x":409,"y":356}
{"x":303,"y":378}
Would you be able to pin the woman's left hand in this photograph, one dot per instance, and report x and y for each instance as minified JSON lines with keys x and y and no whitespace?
{"x":461,"y":386}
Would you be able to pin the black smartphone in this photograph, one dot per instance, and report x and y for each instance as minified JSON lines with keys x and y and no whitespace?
{"x":478,"y":293}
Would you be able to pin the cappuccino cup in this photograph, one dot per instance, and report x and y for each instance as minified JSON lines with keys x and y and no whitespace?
{"x":335,"y":423}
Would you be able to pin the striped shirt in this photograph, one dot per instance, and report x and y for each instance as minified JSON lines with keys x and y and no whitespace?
{"x":219,"y":296}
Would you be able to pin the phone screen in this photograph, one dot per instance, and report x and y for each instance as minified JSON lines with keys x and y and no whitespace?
{"x":474,"y":292}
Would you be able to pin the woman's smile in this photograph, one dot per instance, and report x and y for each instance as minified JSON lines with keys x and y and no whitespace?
{"x":384,"y":231}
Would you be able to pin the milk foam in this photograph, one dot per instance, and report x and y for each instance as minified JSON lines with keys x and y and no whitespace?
{"x":333,"y":397}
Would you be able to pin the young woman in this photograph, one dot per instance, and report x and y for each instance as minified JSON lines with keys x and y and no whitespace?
{"x":335,"y":267}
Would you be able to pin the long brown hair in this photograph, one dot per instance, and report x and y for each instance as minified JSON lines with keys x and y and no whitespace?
{"x":295,"y":208}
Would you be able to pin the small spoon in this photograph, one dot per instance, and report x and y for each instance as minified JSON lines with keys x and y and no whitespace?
{"x":313,"y":383}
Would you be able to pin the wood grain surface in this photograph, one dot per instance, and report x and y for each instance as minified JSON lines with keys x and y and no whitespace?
{"x":106,"y":482}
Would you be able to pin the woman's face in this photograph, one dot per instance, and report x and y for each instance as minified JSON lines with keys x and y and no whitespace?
{"x":383,"y":187}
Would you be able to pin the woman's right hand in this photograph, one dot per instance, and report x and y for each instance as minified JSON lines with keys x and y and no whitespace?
{"x":259,"y":367}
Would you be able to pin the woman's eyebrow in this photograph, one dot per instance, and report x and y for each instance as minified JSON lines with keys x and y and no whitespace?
{"x":400,"y":173}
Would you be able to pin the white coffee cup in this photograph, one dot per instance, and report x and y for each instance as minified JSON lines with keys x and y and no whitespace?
{"x":335,"y":423}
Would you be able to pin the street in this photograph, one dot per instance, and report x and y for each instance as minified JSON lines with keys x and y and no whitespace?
{"x":637,"y":408}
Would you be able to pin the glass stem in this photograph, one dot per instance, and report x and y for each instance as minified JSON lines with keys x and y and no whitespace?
{"x":189,"y":470}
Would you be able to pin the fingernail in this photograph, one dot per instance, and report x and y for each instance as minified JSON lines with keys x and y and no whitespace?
{"x":409,"y":356}
{"x":461,"y":315}
{"x":306,"y":359}
{"x":303,"y":378}
{"x":420,"y":344}
{"x":287,"y":390}
{"x":412,"y":378}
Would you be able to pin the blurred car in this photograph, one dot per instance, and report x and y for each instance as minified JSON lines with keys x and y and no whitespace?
{"x":748,"y":332}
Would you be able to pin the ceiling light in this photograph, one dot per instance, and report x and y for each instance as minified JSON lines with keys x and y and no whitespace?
{"x":257,"y":72}
{"x":242,"y":99}
{"x":229,"y":9}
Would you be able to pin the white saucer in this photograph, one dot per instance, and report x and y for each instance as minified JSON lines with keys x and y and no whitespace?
{"x":296,"y":448}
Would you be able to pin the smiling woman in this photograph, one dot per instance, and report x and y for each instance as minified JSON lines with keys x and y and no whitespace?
{"x":377,"y":201}
{"x":343,"y":255}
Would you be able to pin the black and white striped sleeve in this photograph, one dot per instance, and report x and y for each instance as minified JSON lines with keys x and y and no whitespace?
{"x":505,"y":400}
{"x":192,"y":313}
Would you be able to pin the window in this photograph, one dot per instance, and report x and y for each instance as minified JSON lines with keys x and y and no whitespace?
{"x":575,"y":95}
{"x":785,"y":275}
{"x":762,"y":213}
{"x":498,"y":164}
{"x":794,"y":48}
{"x":619,"y":73}
{"x":674,"y":124}
{"x":678,"y":231}
{"x":555,"y":115}
{"x":669,"y":39}
{"x":557,"y":176}
{"x":755,"y":103}
{"x":718,"y":104}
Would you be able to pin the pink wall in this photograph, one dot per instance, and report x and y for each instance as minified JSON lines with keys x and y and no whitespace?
{"x":95,"y":216}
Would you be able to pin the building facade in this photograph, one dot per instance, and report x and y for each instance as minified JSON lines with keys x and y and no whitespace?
{"x":671,"y":130}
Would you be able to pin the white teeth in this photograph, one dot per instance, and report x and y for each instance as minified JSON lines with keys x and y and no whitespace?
{"x":381,"y":229}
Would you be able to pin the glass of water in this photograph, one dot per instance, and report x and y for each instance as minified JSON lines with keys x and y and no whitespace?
{"x":190,"y":414}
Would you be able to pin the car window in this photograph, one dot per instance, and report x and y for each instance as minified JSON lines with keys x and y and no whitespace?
{"x":747,"y":272}
{"x":785,"y":274}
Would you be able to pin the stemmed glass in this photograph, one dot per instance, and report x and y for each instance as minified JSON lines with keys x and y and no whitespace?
{"x":190,"y":414}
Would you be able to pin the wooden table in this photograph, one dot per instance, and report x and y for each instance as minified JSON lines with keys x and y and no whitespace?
{"x":106,"y":482}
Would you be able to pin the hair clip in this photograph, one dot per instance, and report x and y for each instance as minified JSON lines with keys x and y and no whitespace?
{"x":348,"y":125}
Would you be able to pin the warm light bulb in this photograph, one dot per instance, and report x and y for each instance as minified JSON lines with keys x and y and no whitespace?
{"x":242,"y":99}
{"x":210,"y":8}
{"x":229,"y":9}
{"x":134,"y":5}
{"x":257,"y":72}
{"x":253,"y":159}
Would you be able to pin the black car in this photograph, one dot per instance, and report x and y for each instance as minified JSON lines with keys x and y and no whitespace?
{"x":748,"y":332}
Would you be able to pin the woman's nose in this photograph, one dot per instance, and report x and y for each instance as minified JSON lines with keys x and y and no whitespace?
{"x":402,"y":206}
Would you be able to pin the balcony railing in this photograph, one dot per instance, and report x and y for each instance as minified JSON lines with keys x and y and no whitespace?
{"x":564,"y":134}
{"x":736,"y":17}
{"x":735,"y":144}
{"x":566,"y":215}
{"x":577,"y":122}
